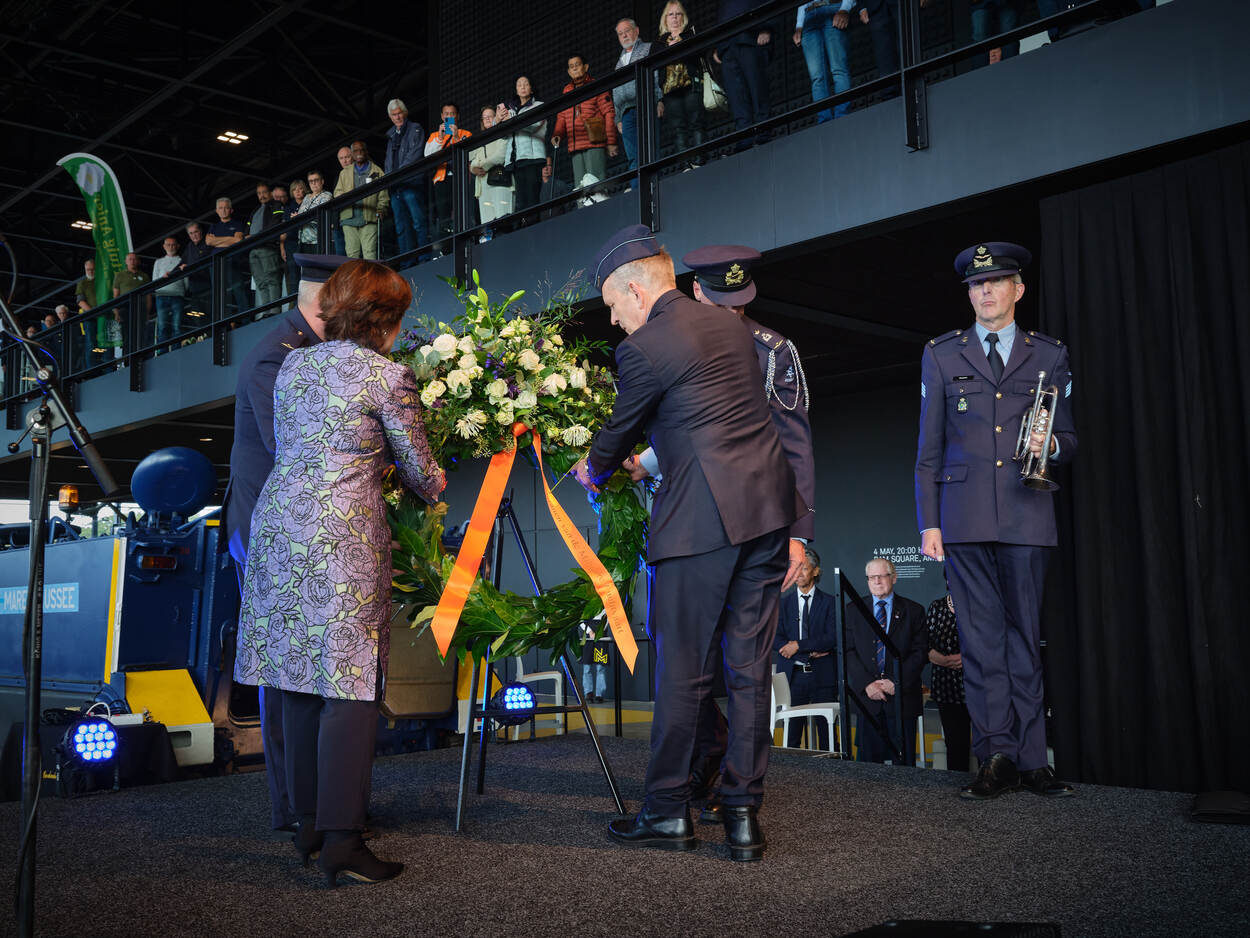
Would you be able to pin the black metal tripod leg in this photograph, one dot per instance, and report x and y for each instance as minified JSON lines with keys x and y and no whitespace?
{"x":594,"y":734}
{"x":468,"y":740}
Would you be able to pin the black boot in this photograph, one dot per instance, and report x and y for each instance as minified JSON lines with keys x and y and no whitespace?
{"x":308,"y":839}
{"x":742,"y":832}
{"x":344,"y":852}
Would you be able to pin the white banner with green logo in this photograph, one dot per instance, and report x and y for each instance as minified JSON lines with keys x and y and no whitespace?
{"x":107,"y":211}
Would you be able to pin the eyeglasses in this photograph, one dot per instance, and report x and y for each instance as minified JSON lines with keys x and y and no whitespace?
{"x":880,"y":576}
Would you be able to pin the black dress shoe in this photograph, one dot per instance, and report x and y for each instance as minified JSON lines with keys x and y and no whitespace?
{"x":308,"y":841}
{"x":1043,"y":782}
{"x":344,"y":852}
{"x":997,"y":776}
{"x":714,"y":811}
{"x":654,"y":830}
{"x":742,"y":832}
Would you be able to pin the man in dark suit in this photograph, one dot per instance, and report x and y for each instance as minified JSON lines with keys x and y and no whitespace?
{"x":743,"y":59}
{"x":869,"y":667}
{"x":251,"y":459}
{"x":977,"y":514}
{"x":718,"y":537}
{"x":723,"y":278}
{"x":805,"y":642}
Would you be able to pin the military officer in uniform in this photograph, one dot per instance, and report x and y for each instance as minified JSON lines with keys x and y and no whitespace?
{"x":976,"y":513}
{"x":718,"y":536}
{"x":251,"y":459}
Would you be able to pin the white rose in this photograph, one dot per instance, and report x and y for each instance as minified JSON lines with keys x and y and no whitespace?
{"x":505,"y":415}
{"x":457,"y":379}
{"x":436,"y":389}
{"x":526,"y":400}
{"x":577,"y":378}
{"x":425,"y":350}
{"x":445,"y":344}
{"x":497,"y":388}
{"x":554,"y":384}
{"x":466,"y":343}
{"x":529,"y":360}
{"x":467,"y":361}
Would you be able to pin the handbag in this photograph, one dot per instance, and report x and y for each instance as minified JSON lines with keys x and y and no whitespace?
{"x":498,"y":176}
{"x":596,"y":130}
{"x":713,"y":94}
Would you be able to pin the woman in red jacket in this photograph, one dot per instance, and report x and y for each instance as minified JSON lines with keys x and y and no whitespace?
{"x":589,"y":127}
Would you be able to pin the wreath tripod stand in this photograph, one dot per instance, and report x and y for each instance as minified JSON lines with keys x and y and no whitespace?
{"x":481,"y":709}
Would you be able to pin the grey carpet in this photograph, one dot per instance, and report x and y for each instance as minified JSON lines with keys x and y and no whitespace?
{"x":849,"y":846}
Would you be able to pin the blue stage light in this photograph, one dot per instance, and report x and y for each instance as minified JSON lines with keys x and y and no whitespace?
{"x":517,"y":702}
{"x":92,"y":741}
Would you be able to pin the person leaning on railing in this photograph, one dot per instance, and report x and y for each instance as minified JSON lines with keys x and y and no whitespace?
{"x":681,"y":82}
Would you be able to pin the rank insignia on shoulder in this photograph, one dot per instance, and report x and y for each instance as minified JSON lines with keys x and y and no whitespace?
{"x":766,"y":336}
{"x":288,"y":345}
{"x":789,"y":377}
{"x":962,"y":406}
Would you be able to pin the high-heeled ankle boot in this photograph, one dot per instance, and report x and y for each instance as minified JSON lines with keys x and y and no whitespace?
{"x":308,"y":839}
{"x":344,"y":852}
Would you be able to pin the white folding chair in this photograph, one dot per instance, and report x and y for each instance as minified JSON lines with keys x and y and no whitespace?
{"x":538,"y":677}
{"x":783,"y":712}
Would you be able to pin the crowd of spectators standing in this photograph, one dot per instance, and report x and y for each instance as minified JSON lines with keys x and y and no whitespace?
{"x":537,"y":162}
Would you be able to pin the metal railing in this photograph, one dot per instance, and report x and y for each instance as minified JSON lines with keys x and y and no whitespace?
{"x":221,"y":292}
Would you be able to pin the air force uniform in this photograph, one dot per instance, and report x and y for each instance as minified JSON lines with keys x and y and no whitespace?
{"x":994,"y":529}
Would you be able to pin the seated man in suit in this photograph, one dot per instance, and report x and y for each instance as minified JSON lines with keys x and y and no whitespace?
{"x":867,"y":664}
{"x":805,"y":644}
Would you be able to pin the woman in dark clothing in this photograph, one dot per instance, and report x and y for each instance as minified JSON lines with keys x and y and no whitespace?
{"x":948,"y":683}
{"x":681,"y":82}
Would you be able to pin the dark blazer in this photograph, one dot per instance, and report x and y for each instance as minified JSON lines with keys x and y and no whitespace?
{"x":966,"y":481}
{"x":688,"y":379}
{"x":910,"y":635}
{"x":787,"y":403}
{"x":251,"y":456}
{"x":821,"y":636}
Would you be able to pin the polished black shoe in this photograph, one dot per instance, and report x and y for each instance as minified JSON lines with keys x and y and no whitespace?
{"x":308,"y":841}
{"x":742,"y":832}
{"x":714,"y":811}
{"x":1043,"y":782}
{"x":654,"y":830}
{"x":344,"y":852}
{"x":997,"y":776}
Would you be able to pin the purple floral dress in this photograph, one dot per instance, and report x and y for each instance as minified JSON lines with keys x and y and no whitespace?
{"x":317,"y":589}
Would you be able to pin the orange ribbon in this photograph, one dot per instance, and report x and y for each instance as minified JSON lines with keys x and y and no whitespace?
{"x":456,"y":592}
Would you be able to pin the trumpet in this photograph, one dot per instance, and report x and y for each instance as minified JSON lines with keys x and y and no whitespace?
{"x":1040,"y":418}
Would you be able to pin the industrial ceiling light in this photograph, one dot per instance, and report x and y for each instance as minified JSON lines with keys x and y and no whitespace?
{"x":84,"y":225}
{"x":230,"y":136}
{"x":517,"y":703}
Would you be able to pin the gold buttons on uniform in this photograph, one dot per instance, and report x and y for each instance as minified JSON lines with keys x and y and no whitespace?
{"x":998,"y":396}
{"x":999,"y":464}
{"x":998,"y":429}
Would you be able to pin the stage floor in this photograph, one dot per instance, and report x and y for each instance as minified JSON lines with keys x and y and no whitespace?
{"x":849,"y":846}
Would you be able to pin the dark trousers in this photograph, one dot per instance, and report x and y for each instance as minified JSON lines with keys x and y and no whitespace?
{"x":805,"y":690}
{"x":273,"y":743}
{"x":957,"y":731}
{"x":883,"y":24}
{"x":442,"y":207}
{"x":528,"y":178}
{"x":746,"y":83}
{"x":871,"y":746}
{"x":997,"y":590}
{"x":729,"y":597}
{"x":683,"y":117}
{"x":329,"y":758}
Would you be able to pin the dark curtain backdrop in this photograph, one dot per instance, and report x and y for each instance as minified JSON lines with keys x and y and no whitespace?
{"x":1147,"y":278}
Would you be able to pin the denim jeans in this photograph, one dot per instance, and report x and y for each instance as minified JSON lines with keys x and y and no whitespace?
{"x":824,"y":50}
{"x":1007,"y":16}
{"x":629,"y":135}
{"x":408,"y":203}
{"x":168,"y":316}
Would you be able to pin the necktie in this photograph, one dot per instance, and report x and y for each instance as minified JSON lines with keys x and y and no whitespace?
{"x":881,"y":644}
{"x":803,"y":618}
{"x":996,"y":360}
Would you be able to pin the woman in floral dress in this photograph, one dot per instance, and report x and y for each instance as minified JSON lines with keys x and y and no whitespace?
{"x":317,"y":590}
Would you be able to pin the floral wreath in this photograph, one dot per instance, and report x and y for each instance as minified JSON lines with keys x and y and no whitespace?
{"x":487,"y":369}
